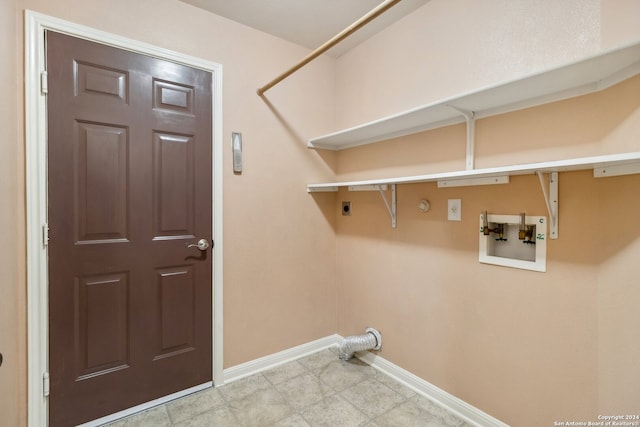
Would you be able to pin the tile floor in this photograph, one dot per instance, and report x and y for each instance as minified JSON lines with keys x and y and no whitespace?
{"x":318,"y":390}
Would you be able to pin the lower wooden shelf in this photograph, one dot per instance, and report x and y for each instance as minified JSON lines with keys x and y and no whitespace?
{"x":602,"y":166}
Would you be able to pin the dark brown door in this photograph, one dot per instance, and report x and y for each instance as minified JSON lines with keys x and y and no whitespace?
{"x":129,"y":169}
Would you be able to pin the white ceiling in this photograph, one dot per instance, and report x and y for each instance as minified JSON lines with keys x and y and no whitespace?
{"x":309,"y":23}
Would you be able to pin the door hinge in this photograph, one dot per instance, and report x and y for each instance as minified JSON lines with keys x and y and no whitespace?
{"x":45,"y":384}
{"x":45,"y":234}
{"x":44,"y":83}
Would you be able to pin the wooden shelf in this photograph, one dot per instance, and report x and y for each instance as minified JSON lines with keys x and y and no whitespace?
{"x":574,"y":79}
{"x":602,"y":166}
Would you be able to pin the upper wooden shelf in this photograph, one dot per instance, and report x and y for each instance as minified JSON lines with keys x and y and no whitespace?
{"x":578,"y":78}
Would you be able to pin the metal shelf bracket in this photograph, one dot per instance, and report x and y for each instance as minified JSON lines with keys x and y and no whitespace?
{"x":391,"y":207}
{"x":551,"y":199}
{"x":470,"y":118}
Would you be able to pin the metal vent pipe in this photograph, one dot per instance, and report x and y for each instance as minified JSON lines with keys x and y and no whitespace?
{"x":370,"y":340}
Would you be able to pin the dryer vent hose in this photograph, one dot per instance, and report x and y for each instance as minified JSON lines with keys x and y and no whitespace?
{"x":370,"y":340}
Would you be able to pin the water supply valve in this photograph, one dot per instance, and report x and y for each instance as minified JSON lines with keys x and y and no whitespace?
{"x":525,"y":232}
{"x":499,"y":229}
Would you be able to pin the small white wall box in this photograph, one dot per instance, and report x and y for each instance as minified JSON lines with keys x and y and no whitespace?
{"x":503,"y":247}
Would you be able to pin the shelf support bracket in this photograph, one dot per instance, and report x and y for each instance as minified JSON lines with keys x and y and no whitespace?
{"x":391,"y":207}
{"x":470,"y":118}
{"x":551,"y":199}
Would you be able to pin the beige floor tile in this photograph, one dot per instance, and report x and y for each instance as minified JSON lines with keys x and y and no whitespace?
{"x":284,"y":372}
{"x":318,"y":360}
{"x":341,"y":375}
{"x":194,"y":404}
{"x":394,"y":385}
{"x":293,"y":421}
{"x":153,"y":417}
{"x":218,"y":417}
{"x":437,"y":410}
{"x":243,"y":387}
{"x":372,"y":397}
{"x":304,"y":390}
{"x":334,"y":411}
{"x":408,"y":414}
{"x":262,"y":408}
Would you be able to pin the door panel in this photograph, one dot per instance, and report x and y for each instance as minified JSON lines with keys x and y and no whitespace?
{"x":103,"y":324}
{"x":173,"y":185}
{"x":93,"y":80}
{"x":101,"y":183}
{"x":129,"y":172}
{"x":176,"y":292}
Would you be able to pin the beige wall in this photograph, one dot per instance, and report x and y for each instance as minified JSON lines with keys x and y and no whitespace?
{"x":12,"y":232}
{"x":450,"y":47}
{"x":279,"y":260}
{"x":592,"y":125}
{"x":528,"y":348}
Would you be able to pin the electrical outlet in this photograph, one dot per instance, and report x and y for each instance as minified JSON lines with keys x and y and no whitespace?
{"x":346,"y":208}
{"x":454,"y":210}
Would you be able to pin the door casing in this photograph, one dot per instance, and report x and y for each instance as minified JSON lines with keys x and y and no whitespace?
{"x":36,"y":194}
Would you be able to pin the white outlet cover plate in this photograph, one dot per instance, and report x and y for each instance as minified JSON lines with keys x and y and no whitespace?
{"x":454,"y":210}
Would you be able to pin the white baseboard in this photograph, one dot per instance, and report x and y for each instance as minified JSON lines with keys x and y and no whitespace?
{"x":268,"y":362}
{"x":458,"y":407}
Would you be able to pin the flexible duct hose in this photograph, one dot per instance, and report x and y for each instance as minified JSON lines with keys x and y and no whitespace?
{"x":371,"y":340}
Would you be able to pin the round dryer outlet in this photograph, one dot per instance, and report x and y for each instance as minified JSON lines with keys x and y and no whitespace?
{"x":346,"y":208}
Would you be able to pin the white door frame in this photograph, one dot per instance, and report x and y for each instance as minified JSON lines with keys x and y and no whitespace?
{"x":36,"y":195}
